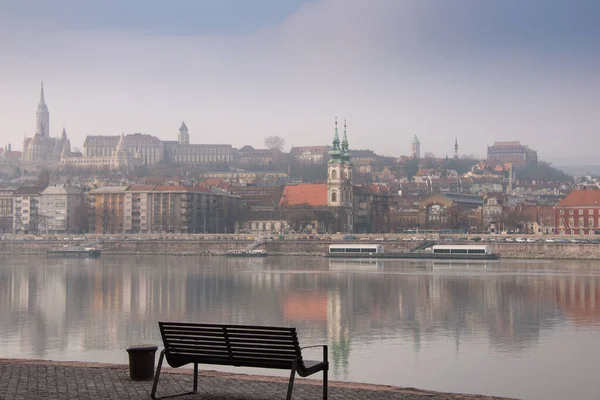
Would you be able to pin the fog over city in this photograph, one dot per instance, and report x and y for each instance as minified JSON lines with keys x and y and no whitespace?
{"x":237,"y":71}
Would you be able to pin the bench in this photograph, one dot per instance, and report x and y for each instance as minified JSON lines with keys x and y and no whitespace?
{"x":238,"y":346}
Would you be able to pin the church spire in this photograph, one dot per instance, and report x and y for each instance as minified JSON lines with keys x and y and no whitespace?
{"x":42,"y":100}
{"x":42,"y":116}
{"x":345,"y":153}
{"x":456,"y":147}
{"x":335,"y":150}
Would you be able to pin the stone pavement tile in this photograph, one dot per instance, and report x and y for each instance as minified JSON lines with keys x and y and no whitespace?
{"x":29,"y":380}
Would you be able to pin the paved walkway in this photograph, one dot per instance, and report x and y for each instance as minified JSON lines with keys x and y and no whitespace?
{"x":28,"y":379}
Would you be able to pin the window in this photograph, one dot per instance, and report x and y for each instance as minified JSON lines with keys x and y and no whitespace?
{"x":333,"y":196}
{"x":333,"y":176}
{"x":571,"y":212}
{"x":562,"y":212}
{"x":580,"y":212}
{"x":591,"y":222}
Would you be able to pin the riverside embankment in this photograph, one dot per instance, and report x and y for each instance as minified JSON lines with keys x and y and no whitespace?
{"x":201,"y":246}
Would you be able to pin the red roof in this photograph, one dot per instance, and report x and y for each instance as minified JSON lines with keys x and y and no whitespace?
{"x":313,"y":194}
{"x":211,"y":182}
{"x":581,"y":198}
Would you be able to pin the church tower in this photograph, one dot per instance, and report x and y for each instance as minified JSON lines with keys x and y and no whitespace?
{"x":184,"y":136}
{"x":339,"y":179}
{"x":456,"y":148}
{"x":339,"y":172}
{"x":415,"y":148}
{"x":42,"y":117}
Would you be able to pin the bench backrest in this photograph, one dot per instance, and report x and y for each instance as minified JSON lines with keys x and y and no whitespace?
{"x":237,"y":345}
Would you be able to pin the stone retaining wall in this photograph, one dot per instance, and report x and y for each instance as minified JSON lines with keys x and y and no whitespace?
{"x":568,"y":251}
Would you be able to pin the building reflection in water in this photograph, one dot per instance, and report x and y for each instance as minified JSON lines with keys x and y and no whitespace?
{"x":53,"y":308}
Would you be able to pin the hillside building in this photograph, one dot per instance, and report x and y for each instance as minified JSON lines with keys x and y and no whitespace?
{"x":512,"y":152}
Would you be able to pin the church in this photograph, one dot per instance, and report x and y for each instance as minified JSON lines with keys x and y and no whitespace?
{"x":309,"y":207}
{"x":113,"y":152}
{"x":41,"y":148}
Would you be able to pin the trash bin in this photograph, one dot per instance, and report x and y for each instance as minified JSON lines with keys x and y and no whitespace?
{"x":141,"y":362}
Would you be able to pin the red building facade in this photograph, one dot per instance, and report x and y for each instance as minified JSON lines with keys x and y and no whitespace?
{"x":578,"y":213}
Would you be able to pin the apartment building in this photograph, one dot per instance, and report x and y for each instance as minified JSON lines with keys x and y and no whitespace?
{"x":26,"y":209}
{"x":6,"y":210}
{"x":161,"y":209}
{"x":62,"y":209}
{"x":106,"y":209}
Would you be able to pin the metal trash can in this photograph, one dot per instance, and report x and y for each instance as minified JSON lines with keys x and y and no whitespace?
{"x":141,"y":361}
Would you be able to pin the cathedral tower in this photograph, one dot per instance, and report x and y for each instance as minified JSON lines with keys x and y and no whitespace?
{"x":184,"y":136}
{"x":42,"y":117}
{"x":339,"y":172}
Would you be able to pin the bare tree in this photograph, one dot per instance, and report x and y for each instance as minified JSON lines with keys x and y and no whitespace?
{"x":274,"y":143}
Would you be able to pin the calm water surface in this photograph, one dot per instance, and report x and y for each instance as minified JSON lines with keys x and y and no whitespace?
{"x":525,"y":329}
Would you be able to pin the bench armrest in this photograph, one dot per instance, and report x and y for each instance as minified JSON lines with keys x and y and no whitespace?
{"x":324,"y":346}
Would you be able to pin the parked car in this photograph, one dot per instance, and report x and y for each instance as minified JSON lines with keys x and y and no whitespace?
{"x":380,"y":239}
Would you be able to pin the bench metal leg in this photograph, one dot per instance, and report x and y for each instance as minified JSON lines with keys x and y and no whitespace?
{"x":155,"y":384}
{"x":325,"y":371}
{"x":291,"y":382}
{"x":195,"y":377}
{"x":325,"y":384}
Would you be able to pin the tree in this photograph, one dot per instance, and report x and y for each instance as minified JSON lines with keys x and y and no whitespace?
{"x":411,"y":167}
{"x":543,"y":172}
{"x":44,"y":177}
{"x":516,"y":220}
{"x":274,"y":143}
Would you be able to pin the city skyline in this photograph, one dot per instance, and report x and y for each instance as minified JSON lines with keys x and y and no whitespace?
{"x":396,"y":69}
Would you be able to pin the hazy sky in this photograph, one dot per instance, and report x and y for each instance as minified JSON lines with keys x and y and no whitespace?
{"x":238,"y":70}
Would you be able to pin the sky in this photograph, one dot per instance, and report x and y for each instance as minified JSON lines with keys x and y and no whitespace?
{"x":237,"y":71}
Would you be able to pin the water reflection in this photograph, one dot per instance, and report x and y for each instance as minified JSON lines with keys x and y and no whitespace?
{"x":476,"y":313}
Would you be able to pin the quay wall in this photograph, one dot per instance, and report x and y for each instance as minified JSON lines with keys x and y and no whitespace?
{"x":568,"y":251}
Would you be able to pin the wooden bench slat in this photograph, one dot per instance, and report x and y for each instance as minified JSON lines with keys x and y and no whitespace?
{"x":188,"y":332}
{"x":261,"y":341}
{"x":284,"y":347}
{"x":235,"y":332}
{"x":198,"y":348}
{"x":207,"y":341}
{"x":220,"y":327}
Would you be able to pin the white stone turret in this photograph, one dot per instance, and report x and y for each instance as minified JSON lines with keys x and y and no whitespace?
{"x":121,"y":156}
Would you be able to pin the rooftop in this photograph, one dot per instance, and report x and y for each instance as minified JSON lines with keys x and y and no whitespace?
{"x":581,"y":198}
{"x":27,"y":190}
{"x":313,"y":194}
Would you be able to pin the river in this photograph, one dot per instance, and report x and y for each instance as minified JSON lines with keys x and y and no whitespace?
{"x":525,"y":329}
